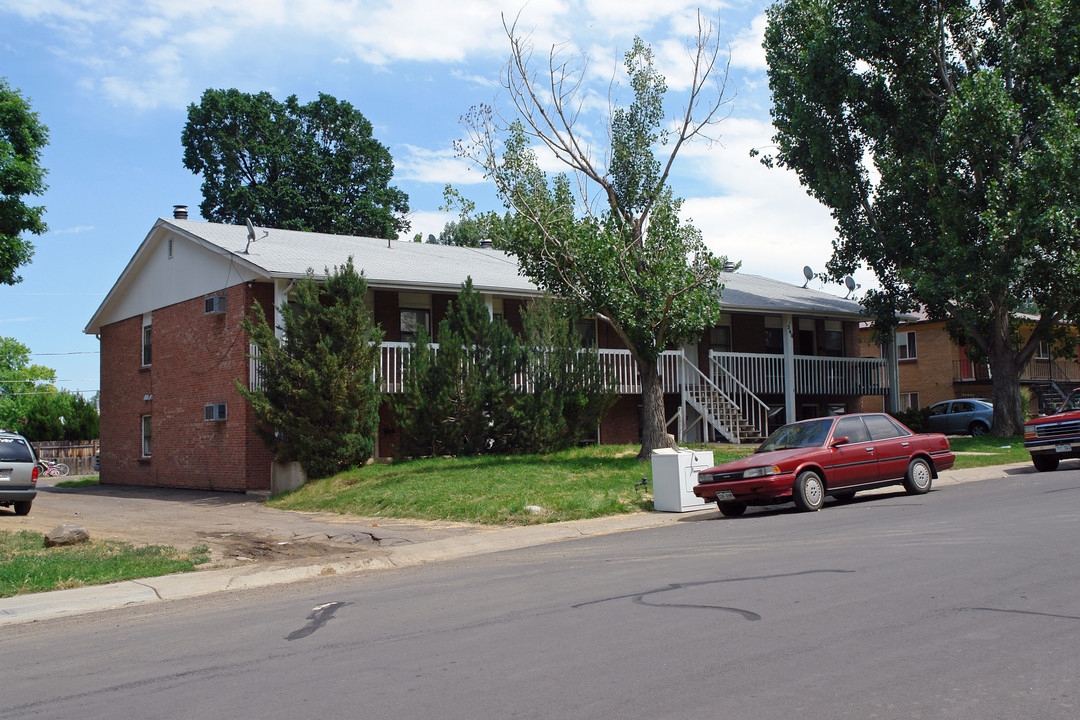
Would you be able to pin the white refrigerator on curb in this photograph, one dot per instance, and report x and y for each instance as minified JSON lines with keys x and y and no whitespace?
{"x":675,"y":473}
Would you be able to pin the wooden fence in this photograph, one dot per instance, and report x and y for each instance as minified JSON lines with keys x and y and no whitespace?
{"x":78,"y":456}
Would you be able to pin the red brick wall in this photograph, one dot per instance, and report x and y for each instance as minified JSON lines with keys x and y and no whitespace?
{"x":197,"y":358}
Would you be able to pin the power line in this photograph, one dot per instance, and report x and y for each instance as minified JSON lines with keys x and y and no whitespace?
{"x":81,"y":352}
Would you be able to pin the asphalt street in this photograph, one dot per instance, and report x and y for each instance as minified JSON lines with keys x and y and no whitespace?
{"x":961,"y":603}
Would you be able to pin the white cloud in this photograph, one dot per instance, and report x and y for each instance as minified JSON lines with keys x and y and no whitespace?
{"x":426,"y":223}
{"x":435,"y":166}
{"x":747,"y":51}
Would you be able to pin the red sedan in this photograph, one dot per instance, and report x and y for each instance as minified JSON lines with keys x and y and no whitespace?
{"x":838,"y":456}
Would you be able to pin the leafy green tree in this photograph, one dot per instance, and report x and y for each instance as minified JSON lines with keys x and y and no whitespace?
{"x":18,"y":380}
{"x":568,"y":393}
{"x":297,"y":167}
{"x":459,"y":401}
{"x":318,"y":403}
{"x":945,"y":139}
{"x":59,"y":416}
{"x":626,"y":258}
{"x":22,"y":137}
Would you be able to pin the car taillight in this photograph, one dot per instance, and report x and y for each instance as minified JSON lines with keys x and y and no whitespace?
{"x":33,"y":475}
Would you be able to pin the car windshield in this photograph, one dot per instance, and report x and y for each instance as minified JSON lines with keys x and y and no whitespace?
{"x":810,"y":433}
{"x":1071,"y":403}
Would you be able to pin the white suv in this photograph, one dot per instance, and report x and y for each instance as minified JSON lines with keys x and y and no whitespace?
{"x":18,"y":473}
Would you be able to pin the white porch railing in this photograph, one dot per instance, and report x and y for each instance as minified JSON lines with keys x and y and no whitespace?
{"x":764,"y":374}
{"x":756,"y":374}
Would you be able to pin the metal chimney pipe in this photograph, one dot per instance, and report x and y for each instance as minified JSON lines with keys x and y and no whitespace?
{"x":179,"y":212}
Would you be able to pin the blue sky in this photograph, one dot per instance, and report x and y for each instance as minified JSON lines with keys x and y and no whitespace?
{"x":112,"y":80}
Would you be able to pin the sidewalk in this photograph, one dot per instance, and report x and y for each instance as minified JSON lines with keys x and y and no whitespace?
{"x":469,"y":542}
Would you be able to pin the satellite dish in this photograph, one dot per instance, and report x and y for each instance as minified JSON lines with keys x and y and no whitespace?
{"x":251,"y":235}
{"x":808,"y":274}
{"x":849,"y":283}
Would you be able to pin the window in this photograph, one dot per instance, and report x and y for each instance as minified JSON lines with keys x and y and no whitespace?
{"x":852,"y":428}
{"x":834,"y":338}
{"x":905,"y":345}
{"x":146,"y":345}
{"x":883,"y":427}
{"x":215,"y":411}
{"x":1042,"y":352}
{"x":720,"y":336}
{"x":586,"y":331}
{"x":909,"y":401}
{"x":146,"y":436}
{"x":774,"y":336}
{"x":412,"y":320}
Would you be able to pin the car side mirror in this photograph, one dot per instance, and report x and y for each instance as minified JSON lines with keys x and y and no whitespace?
{"x":842,"y":440}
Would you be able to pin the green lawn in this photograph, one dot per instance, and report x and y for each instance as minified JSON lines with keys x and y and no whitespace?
{"x":582,"y":483}
{"x":27,"y":566}
{"x":988,"y":450}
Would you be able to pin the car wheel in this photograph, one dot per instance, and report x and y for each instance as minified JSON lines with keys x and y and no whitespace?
{"x":919,"y":477}
{"x":22,"y":507}
{"x":978,"y":428}
{"x":730,"y":508}
{"x":844,"y":496}
{"x":1045,"y":463}
{"x":809,"y":491}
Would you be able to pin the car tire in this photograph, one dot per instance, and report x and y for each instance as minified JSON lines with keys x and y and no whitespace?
{"x":22,"y":507}
{"x":808,"y":491}
{"x":730,"y":508}
{"x":844,"y":497}
{"x":1045,"y":463}
{"x":919,"y":477}
{"x":978,"y":428}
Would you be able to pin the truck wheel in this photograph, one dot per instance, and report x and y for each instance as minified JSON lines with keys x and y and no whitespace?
{"x":1045,"y":463}
{"x":22,"y":507}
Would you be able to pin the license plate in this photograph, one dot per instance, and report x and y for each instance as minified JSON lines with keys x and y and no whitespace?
{"x":724,"y":495}
{"x":1064,"y":448}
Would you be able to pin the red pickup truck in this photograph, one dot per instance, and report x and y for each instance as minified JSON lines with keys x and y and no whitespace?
{"x":1053,"y":437}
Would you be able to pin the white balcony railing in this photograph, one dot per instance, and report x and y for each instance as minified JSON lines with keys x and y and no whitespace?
{"x":764,"y":374}
{"x":761,"y":374}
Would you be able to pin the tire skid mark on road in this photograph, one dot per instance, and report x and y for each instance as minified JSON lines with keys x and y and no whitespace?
{"x":640,"y":598}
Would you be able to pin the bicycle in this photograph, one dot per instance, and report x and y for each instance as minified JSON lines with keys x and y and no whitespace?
{"x":51,"y":468}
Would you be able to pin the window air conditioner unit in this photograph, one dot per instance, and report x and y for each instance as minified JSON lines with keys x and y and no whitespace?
{"x":215,"y":411}
{"x":216,"y":304}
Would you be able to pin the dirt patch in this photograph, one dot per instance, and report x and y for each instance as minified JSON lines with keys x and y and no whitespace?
{"x":237,"y":529}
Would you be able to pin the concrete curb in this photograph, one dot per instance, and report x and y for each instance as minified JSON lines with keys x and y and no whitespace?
{"x":67,"y":603}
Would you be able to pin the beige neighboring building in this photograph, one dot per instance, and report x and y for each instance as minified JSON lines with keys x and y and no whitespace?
{"x":932,"y":367}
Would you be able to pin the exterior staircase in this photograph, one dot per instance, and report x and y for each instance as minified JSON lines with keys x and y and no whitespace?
{"x":721,"y":414}
{"x":726,"y":405}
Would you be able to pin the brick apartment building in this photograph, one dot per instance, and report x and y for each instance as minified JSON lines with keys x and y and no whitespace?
{"x":932,"y":367}
{"x":172,"y":348}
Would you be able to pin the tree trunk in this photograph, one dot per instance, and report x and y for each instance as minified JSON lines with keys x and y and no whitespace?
{"x":653,"y":428}
{"x":1008,"y":405}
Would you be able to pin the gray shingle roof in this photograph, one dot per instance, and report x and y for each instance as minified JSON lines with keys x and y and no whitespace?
{"x":289,"y":253}
{"x":753,"y":292}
